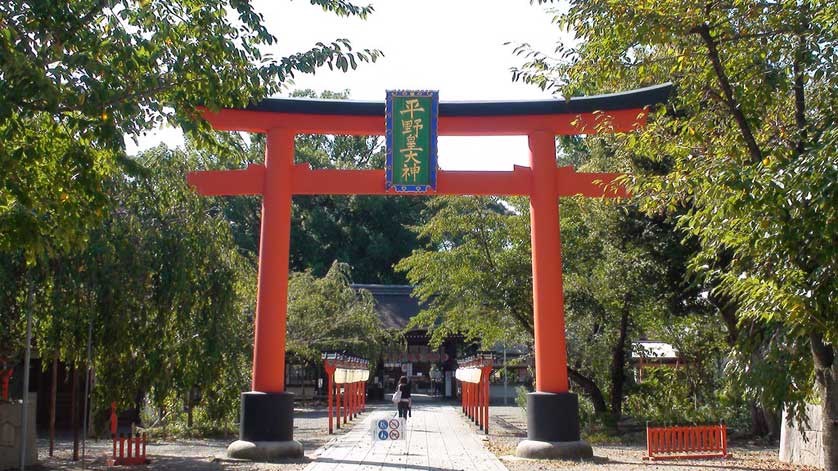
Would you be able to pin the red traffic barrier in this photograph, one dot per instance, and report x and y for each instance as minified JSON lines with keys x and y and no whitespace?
{"x":690,"y":442}
{"x":113,"y":419}
{"x":130,"y":452}
{"x":5,"y":375}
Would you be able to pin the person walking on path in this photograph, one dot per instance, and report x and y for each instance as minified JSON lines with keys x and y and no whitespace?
{"x":404,"y":402}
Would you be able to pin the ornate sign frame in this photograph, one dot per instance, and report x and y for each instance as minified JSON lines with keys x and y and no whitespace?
{"x":428,"y":154}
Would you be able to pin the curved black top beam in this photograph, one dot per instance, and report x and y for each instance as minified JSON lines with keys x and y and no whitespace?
{"x":639,"y":98}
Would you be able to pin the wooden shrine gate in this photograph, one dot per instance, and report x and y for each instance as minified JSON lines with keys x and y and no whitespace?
{"x":552,"y":411}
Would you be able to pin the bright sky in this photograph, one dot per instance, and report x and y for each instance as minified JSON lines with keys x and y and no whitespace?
{"x":454,"y":46}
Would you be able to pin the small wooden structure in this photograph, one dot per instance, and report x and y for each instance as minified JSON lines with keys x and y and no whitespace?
{"x":473,"y":374}
{"x":690,"y":442}
{"x":348,"y":377}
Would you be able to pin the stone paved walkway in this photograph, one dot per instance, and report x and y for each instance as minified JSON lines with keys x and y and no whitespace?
{"x":438,"y":439}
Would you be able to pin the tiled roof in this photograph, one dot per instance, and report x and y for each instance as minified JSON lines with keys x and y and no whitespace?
{"x":393,"y":304}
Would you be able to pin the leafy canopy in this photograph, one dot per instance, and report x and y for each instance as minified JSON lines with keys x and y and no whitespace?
{"x":77,"y":76}
{"x":744,"y":155}
{"x":327,"y":314}
{"x":747,"y":144}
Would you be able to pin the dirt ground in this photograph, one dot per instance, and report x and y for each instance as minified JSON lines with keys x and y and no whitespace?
{"x":508,"y":427}
{"x":629,"y":458}
{"x":310,"y":428}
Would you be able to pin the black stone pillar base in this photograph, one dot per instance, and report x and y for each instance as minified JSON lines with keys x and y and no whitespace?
{"x":267,"y":427}
{"x":553,"y":427}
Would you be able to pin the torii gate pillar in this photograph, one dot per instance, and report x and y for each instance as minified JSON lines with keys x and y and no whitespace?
{"x":267,"y":411}
{"x":553,"y":412}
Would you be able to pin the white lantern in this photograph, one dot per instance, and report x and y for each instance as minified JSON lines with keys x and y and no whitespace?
{"x":340,"y":376}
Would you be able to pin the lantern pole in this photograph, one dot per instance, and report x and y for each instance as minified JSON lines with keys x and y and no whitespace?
{"x":24,"y":424}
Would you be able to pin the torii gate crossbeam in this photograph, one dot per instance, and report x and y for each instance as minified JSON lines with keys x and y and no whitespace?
{"x":553,"y":427}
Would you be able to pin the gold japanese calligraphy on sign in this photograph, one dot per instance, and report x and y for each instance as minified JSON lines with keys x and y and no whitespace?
{"x":411,"y":140}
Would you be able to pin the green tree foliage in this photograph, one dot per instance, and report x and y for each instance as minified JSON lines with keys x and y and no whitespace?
{"x":603,"y":246}
{"x":476,"y":278}
{"x":75,"y":76}
{"x":12,"y":289}
{"x":171,"y":298}
{"x":193,"y":296}
{"x":626,"y":279}
{"x":162,"y":284}
{"x":746,"y":147}
{"x":327,"y":314}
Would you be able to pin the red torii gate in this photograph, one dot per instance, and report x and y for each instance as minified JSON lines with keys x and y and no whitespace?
{"x":553,"y":427}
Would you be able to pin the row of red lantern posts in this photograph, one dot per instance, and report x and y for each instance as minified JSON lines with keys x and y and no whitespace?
{"x":347,"y":384}
{"x":473,"y":373}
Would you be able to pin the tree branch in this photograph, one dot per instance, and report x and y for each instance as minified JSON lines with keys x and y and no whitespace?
{"x":525,"y":320}
{"x":799,"y":100}
{"x":81,"y":22}
{"x":728,"y":98}
{"x":762,"y":34}
{"x":618,"y":360}
{"x":591,"y":390}
{"x":823,"y":354}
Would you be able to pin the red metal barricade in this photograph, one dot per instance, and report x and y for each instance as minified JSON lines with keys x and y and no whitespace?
{"x":706,"y":441}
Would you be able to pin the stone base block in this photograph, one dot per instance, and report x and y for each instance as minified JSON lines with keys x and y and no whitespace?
{"x":265,"y":451}
{"x":11,"y":430}
{"x":267,"y":417}
{"x":533,"y":449}
{"x":552,"y":417}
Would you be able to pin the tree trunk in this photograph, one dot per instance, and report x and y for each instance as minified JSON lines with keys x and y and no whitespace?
{"x":728,"y":312}
{"x":53,"y":395}
{"x":618,"y":373}
{"x":189,"y":408}
{"x":758,"y":426}
{"x":163,"y":420}
{"x":772,"y":421}
{"x":826,"y":377}
{"x":591,"y":390}
{"x":74,"y":413}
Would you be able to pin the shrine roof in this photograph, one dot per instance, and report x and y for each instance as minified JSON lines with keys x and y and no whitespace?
{"x":393,"y":304}
{"x":632,"y":99}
